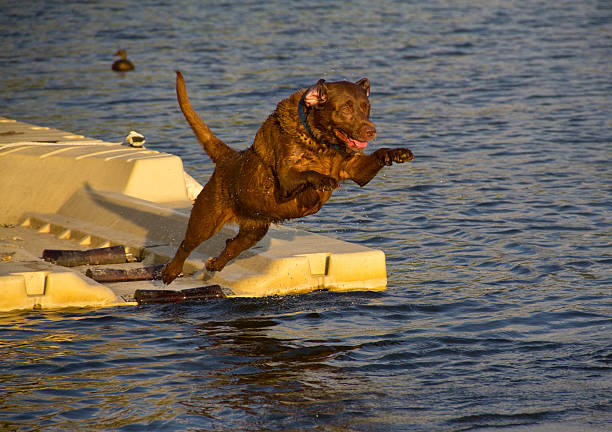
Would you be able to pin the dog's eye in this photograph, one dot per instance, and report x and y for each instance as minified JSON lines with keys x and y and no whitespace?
{"x":347,"y":109}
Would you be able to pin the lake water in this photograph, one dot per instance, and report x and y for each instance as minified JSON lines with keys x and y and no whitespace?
{"x":498,"y":312}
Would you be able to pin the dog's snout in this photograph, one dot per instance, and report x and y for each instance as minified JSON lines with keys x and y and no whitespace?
{"x":368,"y":132}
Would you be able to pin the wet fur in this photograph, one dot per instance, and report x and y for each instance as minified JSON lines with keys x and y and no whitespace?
{"x":287,"y":173}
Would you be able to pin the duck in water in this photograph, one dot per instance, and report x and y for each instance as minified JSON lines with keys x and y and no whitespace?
{"x":123,"y":64}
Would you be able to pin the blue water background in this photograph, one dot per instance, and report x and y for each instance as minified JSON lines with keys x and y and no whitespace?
{"x":498,"y":235}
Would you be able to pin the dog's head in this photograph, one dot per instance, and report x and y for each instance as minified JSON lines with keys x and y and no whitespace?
{"x":339,"y":113}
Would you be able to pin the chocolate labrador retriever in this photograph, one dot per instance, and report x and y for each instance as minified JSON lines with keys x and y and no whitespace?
{"x":311,"y":142}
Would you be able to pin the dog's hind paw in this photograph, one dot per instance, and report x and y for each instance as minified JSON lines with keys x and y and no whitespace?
{"x":169,"y":273}
{"x":213,"y":264}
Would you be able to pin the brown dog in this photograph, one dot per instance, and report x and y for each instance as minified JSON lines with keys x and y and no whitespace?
{"x":311,"y":142}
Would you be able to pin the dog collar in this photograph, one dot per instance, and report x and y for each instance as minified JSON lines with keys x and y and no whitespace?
{"x":302,"y":116}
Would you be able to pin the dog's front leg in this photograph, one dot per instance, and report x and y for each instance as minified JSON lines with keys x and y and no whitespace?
{"x":293,"y":182}
{"x":363,"y":168}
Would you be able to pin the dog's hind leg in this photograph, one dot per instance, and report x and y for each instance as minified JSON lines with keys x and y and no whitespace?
{"x":205,"y":221}
{"x":251,"y":231}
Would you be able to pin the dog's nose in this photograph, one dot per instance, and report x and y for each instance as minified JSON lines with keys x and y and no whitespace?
{"x":368,"y":132}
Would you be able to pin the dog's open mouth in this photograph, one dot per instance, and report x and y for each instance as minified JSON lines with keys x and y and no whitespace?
{"x":353,"y":144}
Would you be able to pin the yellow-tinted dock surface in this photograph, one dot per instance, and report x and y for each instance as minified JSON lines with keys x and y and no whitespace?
{"x":59,"y":190}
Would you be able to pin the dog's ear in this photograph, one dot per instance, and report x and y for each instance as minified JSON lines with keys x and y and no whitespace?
{"x":316,"y":96}
{"x":364,"y":83}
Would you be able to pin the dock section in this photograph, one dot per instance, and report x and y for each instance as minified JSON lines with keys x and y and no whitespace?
{"x":65,"y":191}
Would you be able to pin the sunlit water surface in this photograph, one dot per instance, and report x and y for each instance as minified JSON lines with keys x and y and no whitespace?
{"x":498,"y":309}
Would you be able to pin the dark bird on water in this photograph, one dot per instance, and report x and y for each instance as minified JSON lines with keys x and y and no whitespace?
{"x":123,"y":64}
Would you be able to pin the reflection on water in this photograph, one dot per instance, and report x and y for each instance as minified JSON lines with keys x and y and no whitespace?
{"x":497,"y":236}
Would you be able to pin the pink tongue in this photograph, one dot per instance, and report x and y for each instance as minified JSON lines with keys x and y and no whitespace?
{"x":357,"y":144}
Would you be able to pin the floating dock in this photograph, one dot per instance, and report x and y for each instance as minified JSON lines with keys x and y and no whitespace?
{"x":59,"y":190}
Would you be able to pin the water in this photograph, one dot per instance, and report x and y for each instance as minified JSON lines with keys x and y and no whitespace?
{"x":498,"y":310}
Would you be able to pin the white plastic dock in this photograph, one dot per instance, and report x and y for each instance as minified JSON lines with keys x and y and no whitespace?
{"x":64,"y":191}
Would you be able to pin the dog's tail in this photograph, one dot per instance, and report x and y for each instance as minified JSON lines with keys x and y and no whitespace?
{"x":213,"y":146}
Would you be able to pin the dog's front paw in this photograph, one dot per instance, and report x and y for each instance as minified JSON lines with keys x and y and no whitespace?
{"x":327,"y":184}
{"x":402,"y":155}
{"x":388,"y":156}
{"x":323,"y":182}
